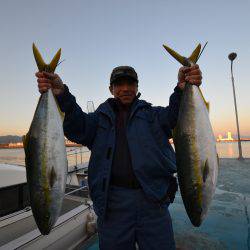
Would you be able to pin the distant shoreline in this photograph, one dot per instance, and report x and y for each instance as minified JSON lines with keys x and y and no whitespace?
{"x":13,"y":146}
{"x":234,"y":140}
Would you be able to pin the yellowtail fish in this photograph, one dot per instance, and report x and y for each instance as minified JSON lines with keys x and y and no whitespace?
{"x":45,"y":155}
{"x":195,"y":146}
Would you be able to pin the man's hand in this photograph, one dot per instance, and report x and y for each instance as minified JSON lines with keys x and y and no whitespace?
{"x":49,"y":80}
{"x":191,"y":75}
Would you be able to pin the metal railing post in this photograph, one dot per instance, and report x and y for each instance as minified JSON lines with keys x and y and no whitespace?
{"x":231,"y":57}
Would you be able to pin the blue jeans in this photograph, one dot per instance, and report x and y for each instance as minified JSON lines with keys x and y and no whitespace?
{"x":132,"y":218}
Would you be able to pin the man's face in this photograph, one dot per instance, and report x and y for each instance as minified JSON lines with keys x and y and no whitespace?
{"x":125,"y":89}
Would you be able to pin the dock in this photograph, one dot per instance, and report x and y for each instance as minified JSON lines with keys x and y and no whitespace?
{"x":227,"y":225}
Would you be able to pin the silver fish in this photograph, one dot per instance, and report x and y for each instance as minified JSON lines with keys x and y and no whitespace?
{"x":45,"y":156}
{"x":195,"y":145}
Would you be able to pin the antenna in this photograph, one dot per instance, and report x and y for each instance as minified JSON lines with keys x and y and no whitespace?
{"x":90,"y":107}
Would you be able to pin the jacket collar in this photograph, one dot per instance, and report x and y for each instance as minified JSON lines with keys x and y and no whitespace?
{"x":107,"y":109}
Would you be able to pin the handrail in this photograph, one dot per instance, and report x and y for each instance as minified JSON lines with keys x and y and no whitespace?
{"x":86,"y":151}
{"x":71,"y":192}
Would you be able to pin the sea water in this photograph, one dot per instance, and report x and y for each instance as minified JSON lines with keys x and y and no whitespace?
{"x":80,"y":155}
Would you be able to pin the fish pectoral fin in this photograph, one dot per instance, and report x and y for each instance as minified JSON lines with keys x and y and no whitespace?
{"x":178,"y":57}
{"x":62,"y":114}
{"x":39,"y":60}
{"x":52,"y":177}
{"x":194,"y":56}
{"x":53,"y":64}
{"x":205,"y":171}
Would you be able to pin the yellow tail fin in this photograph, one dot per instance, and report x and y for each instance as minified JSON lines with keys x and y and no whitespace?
{"x":42,"y":66}
{"x":194,"y":56}
{"x":174,"y":54}
{"x":183,"y":60}
{"x":187,"y":61}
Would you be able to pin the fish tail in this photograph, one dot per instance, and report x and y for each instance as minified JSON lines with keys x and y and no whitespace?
{"x":195,"y":55}
{"x":53,"y":64}
{"x":183,"y":60}
{"x":42,"y":66}
{"x":174,"y":54}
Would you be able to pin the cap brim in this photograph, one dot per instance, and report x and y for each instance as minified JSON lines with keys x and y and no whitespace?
{"x":123,"y":76}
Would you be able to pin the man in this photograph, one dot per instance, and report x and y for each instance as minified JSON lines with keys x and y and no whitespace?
{"x":132,"y":163}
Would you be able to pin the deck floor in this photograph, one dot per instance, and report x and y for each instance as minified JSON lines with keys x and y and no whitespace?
{"x":227,"y":225}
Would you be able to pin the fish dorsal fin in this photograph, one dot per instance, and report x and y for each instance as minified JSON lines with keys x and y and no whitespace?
{"x":25,"y":139}
{"x":62,"y":114}
{"x":42,"y":66}
{"x":205,"y":171}
{"x":206,"y":103}
{"x":194,"y":56}
{"x":181,"y":59}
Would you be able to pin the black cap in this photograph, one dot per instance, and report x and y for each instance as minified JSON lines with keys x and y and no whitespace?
{"x":123,"y":71}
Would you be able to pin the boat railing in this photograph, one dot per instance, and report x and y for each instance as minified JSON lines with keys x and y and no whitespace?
{"x":28,"y":208}
{"x":77,"y":156}
{"x":76,"y":190}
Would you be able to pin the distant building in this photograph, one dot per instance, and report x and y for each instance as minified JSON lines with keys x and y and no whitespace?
{"x":228,"y":138}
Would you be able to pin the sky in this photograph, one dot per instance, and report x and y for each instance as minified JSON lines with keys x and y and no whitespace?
{"x":96,"y":36}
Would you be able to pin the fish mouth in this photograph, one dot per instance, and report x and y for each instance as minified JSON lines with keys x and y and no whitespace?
{"x":197,"y":216}
{"x":196,"y":221}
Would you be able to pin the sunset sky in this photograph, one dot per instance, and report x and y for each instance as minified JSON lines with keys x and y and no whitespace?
{"x":96,"y":36}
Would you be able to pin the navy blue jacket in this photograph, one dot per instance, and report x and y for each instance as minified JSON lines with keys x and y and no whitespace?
{"x":148,"y":130}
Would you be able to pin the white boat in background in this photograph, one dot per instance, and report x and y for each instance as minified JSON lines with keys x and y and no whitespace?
{"x":18,"y":230}
{"x":12,"y":175}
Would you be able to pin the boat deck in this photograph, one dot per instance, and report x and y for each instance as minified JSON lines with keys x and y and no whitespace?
{"x":24,"y":222}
